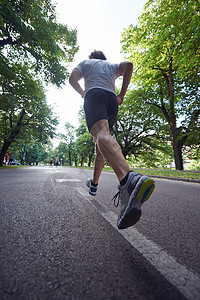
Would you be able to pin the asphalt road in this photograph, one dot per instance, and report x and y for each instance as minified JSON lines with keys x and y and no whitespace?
{"x":57,"y":242}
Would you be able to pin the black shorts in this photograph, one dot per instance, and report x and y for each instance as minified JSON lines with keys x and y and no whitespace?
{"x":100,"y":104}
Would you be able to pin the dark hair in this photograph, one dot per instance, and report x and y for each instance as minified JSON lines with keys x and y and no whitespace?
{"x":97,"y":55}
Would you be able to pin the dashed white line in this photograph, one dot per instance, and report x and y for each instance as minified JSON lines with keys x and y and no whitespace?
{"x":67,"y":180}
{"x":185,"y":280}
{"x":60,"y":170}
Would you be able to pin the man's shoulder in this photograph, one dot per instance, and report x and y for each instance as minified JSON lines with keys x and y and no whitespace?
{"x":96,"y":61}
{"x":97,"y":65}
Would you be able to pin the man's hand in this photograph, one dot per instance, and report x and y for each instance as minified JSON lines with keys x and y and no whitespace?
{"x":120,"y":99}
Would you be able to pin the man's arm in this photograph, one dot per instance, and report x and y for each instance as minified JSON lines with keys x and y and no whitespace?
{"x":73,"y":80}
{"x":125,"y":70}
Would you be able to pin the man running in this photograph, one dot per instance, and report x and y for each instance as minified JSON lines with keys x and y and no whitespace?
{"x":101,"y":108}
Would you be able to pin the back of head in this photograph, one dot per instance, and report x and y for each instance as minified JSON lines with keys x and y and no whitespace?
{"x":97,"y":55}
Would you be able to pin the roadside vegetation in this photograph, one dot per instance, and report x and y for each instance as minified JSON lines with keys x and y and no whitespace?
{"x":187,"y":175}
{"x":158,"y":124}
{"x":170,"y":173}
{"x":35,"y":51}
{"x":161,"y":173}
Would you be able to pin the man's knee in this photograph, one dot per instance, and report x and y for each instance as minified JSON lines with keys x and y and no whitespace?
{"x":100,"y":127}
{"x":103,"y":137}
{"x":107,"y":143}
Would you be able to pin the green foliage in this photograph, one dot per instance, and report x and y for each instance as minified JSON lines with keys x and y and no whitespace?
{"x":195,"y":165}
{"x":153,"y":158}
{"x":24,"y":111}
{"x":84,"y":145}
{"x":165,"y":53}
{"x":33,"y":47}
{"x":77,"y":145}
{"x":69,"y":138}
{"x":69,"y":135}
{"x":61,"y":153}
{"x":35,"y":153}
{"x":138,"y":131}
{"x":163,"y":33}
{"x":31,"y":36}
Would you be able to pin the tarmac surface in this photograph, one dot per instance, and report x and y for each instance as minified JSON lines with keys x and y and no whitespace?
{"x":57,"y":242}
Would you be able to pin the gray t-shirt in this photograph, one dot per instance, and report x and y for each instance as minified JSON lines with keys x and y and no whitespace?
{"x":99,"y":73}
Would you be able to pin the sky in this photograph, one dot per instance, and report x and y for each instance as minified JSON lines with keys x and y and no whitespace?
{"x":100,"y":25}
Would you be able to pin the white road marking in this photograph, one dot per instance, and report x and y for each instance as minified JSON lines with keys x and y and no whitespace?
{"x":67,"y":180}
{"x":60,"y":170}
{"x":178,"y":275}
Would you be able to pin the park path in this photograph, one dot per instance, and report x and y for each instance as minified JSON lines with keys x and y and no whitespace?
{"x":57,"y":242}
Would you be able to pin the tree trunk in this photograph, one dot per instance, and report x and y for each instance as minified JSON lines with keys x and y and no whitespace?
{"x":70,"y":160}
{"x":90,"y":159}
{"x":178,"y":158}
{"x":76,"y":160}
{"x":171,"y":118}
{"x":4,"y":150}
{"x":14,"y":133}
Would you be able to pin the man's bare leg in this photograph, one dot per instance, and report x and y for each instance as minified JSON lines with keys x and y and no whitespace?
{"x":109,"y":148}
{"x":98,"y":165}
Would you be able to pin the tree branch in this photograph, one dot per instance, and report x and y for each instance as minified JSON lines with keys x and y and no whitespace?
{"x":9,"y":41}
{"x":28,"y":121}
{"x":159,"y":69}
{"x":16,"y":130}
{"x":162,"y":107}
{"x":11,"y":123}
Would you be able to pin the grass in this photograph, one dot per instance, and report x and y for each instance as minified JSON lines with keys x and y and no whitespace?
{"x":170,"y":173}
{"x":151,"y":172}
{"x":12,"y":167}
{"x":160,"y":172}
{"x":166,"y":173}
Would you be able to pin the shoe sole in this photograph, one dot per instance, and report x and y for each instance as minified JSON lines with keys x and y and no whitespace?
{"x":140,"y":194}
{"x":131,"y":218}
{"x":90,"y":192}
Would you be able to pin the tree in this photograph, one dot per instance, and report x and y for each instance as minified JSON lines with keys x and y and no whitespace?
{"x":138,"y":131}
{"x":30,"y":35}
{"x":84,"y":145}
{"x":24,"y":113}
{"x":35,"y":153}
{"x":69,"y":138}
{"x":61,"y":152}
{"x":33,"y":47}
{"x":165,"y":52}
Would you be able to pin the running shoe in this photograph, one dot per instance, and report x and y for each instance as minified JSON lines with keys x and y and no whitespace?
{"x":92,"y":187}
{"x":131,"y":196}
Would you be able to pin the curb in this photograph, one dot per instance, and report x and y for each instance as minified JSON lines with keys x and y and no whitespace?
{"x":176,"y":178}
{"x":168,"y":178}
{"x":153,"y":176}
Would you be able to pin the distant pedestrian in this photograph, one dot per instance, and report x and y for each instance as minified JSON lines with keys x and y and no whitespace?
{"x":56,"y":162}
{"x":101,"y":108}
{"x":51,"y":161}
{"x":11,"y":158}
